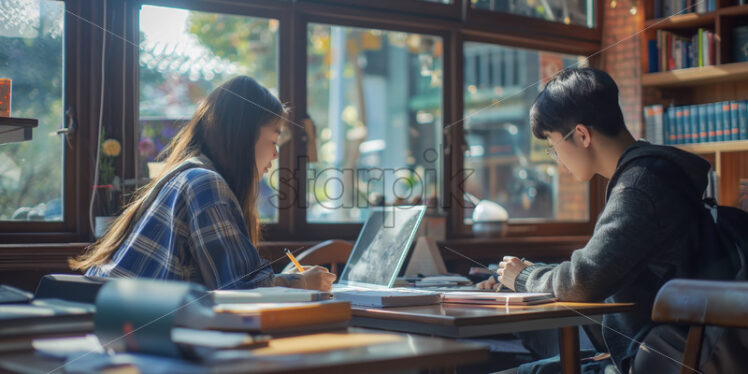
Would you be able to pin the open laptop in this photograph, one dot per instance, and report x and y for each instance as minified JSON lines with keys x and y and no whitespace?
{"x":381,"y":247}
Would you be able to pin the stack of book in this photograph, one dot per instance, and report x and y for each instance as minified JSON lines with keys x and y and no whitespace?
{"x":714,"y":122}
{"x":275,"y":310}
{"x":277,"y":318}
{"x":672,"y":51}
{"x":21,"y":323}
{"x":667,"y":8}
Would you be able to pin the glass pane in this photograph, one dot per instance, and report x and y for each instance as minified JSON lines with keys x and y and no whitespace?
{"x":31,"y":55}
{"x":376,"y":99}
{"x":184,"y":55}
{"x":577,"y":12}
{"x":506,"y":164}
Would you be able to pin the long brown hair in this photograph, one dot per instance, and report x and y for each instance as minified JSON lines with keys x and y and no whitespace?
{"x":225,"y":128}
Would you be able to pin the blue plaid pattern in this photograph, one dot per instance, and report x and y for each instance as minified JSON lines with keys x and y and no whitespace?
{"x":193,"y":231}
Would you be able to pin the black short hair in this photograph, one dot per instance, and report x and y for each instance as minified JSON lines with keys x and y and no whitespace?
{"x":579,"y":95}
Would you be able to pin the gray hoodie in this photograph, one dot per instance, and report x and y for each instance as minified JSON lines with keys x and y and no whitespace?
{"x":644,"y":236}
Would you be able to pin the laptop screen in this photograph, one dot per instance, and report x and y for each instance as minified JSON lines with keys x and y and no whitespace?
{"x":382,"y":246}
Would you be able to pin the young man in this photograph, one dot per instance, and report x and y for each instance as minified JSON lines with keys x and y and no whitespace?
{"x":648,"y":229}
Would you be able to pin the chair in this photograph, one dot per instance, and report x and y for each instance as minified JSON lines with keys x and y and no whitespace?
{"x":332,"y":254}
{"x":699,"y":303}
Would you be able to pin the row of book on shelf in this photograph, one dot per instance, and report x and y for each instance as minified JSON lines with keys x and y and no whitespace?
{"x":701,"y":123}
{"x":667,"y":8}
{"x":672,"y":51}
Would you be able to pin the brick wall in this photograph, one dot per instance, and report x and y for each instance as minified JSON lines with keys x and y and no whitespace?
{"x":622,"y":56}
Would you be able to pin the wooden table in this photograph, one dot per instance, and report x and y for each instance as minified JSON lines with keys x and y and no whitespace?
{"x":470,"y":321}
{"x":354,"y":351}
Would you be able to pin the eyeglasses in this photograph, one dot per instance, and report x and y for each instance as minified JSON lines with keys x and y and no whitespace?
{"x":551,"y":149}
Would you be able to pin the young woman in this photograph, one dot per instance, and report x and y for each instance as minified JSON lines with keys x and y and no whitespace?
{"x":198,"y":220}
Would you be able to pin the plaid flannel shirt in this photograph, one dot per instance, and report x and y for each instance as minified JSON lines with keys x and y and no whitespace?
{"x":193,"y":231}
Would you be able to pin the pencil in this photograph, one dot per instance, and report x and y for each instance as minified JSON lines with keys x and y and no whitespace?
{"x":295,"y":262}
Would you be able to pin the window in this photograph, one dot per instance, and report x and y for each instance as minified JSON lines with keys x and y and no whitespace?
{"x":31,"y":55}
{"x":505,"y":162}
{"x":576,"y":12}
{"x":376,"y":99}
{"x":184,"y":55}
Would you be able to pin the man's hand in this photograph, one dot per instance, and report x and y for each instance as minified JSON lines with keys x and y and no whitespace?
{"x":509,"y":268}
{"x":488,"y":284}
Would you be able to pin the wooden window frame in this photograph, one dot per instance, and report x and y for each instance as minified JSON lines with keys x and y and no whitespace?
{"x":452,"y":10}
{"x":80,"y":63}
{"x":294,"y":16}
{"x":457,"y":228}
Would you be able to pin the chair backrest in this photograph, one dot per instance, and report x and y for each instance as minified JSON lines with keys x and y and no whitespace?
{"x":332,"y":254}
{"x":699,"y":303}
{"x":69,"y":287}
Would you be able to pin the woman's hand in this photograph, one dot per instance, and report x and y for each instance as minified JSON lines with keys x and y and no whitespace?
{"x":317,"y":278}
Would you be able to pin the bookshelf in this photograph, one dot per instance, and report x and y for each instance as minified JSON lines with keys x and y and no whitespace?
{"x":726,"y":80}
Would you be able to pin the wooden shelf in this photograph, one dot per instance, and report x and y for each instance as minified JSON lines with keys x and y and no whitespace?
{"x":701,"y":148}
{"x":682,"y":21}
{"x":14,"y":129}
{"x":697,"y":76}
{"x":737,"y":10}
{"x":693,"y":20}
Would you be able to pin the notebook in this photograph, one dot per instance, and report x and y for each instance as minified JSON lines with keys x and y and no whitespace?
{"x":498,"y":298}
{"x":388,"y":298}
{"x":276,"y":317}
{"x":268,"y":295}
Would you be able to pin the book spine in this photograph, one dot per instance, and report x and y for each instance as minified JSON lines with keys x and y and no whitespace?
{"x":701,"y":47}
{"x":659,"y":132}
{"x":734,"y":120}
{"x":652,"y":51}
{"x":686,"y":120}
{"x":679,"y":134}
{"x":724,"y":114}
{"x":743,"y":119}
{"x":712,"y":132}
{"x":703,"y":133}
{"x":649,"y":123}
{"x":670,"y":126}
{"x":694,"y":121}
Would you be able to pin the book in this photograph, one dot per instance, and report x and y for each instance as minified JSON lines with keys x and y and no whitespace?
{"x":498,"y":298}
{"x":21,"y":323}
{"x":710,"y":124}
{"x":268,"y":295}
{"x":743,"y":194}
{"x":671,"y":134}
{"x":701,"y":119}
{"x":654,"y":124}
{"x":742,"y":119}
{"x":734,"y":120}
{"x":278,"y":317}
{"x":389,"y":297}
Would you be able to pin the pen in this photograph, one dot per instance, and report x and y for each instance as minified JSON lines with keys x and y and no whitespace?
{"x":293,"y":259}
